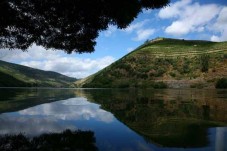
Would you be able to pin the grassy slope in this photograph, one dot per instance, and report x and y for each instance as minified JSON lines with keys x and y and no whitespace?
{"x":177,"y":63}
{"x":13,"y":75}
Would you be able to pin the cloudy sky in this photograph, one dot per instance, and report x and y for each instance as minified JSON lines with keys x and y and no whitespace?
{"x":188,"y":19}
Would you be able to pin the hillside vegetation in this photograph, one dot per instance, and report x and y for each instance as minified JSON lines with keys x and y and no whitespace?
{"x":165,"y":62}
{"x":13,"y":75}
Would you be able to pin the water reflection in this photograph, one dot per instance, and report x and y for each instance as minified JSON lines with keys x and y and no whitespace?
{"x":14,"y":99}
{"x":66,"y":140}
{"x":52,"y":117}
{"x":30,"y":126}
{"x":71,"y":109}
{"x":169,"y":118}
{"x":220,"y":139}
{"x":124,"y":119}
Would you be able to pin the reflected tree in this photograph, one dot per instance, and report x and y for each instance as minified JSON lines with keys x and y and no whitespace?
{"x":67,"y":140}
{"x":163,"y":117}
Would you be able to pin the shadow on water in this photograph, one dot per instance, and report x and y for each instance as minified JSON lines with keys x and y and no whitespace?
{"x":67,"y":140}
{"x":169,"y":118}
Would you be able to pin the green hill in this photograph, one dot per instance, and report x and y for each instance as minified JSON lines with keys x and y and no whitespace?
{"x":13,"y":75}
{"x":165,"y":62}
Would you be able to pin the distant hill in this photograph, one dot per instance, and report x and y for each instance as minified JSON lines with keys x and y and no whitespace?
{"x":165,"y":62}
{"x":13,"y":75}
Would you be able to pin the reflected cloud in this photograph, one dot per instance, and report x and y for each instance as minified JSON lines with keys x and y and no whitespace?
{"x":52,"y":117}
{"x":71,"y":109}
{"x":31,"y":125}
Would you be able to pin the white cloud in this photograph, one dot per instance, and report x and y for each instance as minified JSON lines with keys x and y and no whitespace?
{"x":70,"y":66}
{"x":178,"y":28}
{"x":136,"y":26}
{"x":220,"y":26}
{"x":222,"y":37}
{"x":34,"y":52}
{"x":215,"y":38}
{"x":143,"y":34}
{"x":174,"y":10}
{"x":188,"y":16}
{"x":139,"y":30}
{"x":58,"y":61}
{"x":111,"y":29}
{"x":222,"y":19}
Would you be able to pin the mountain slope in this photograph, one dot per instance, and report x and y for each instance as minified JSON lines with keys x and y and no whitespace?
{"x":165,"y":62}
{"x":13,"y":75}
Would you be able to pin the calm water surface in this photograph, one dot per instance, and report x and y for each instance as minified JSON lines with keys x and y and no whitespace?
{"x":127,"y":120}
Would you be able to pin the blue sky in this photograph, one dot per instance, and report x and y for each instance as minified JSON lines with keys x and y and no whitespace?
{"x":188,"y":19}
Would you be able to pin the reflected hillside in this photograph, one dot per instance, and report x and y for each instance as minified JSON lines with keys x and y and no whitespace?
{"x":18,"y":99}
{"x":170,"y":118}
{"x":67,"y":140}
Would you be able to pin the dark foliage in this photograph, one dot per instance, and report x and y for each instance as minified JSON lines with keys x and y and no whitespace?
{"x":67,"y":140}
{"x":221,"y":83}
{"x":71,"y":25}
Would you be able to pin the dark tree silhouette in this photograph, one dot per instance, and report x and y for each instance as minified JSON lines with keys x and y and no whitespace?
{"x":66,"y":141}
{"x":69,"y":25}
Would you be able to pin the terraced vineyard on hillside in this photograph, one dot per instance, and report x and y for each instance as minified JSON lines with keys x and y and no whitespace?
{"x":165,"y":48}
{"x":162,"y":63}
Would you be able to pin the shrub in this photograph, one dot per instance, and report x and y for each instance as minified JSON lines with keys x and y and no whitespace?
{"x":221,"y":83}
{"x":185,"y":67}
{"x":170,"y":61}
{"x":172,"y":74}
{"x":144,"y":76}
{"x":160,"y":72}
{"x":204,"y":61}
{"x":144,"y":69}
{"x":225,"y":56}
{"x":158,"y":61}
